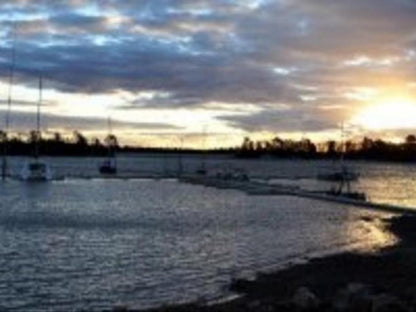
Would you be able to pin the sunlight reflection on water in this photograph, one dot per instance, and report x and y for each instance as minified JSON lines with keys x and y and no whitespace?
{"x":88,"y":244}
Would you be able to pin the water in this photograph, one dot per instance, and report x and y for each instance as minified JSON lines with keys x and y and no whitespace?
{"x":90,"y":244}
{"x":382,"y":182}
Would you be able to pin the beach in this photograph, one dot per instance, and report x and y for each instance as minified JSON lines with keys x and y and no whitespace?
{"x":350,"y":281}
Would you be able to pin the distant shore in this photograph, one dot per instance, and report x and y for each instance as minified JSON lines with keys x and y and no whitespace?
{"x":381,"y":281}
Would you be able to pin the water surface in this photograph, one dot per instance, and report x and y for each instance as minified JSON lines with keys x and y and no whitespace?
{"x":92,"y":243}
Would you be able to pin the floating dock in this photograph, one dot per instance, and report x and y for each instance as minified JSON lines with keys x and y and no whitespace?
{"x":261,"y":188}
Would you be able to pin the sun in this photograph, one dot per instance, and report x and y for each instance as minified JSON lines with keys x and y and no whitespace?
{"x":389,"y":114}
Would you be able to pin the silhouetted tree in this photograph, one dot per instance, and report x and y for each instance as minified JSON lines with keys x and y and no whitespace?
{"x":79,"y":138}
{"x":248,"y":145}
{"x":367,"y":144}
{"x":96,"y":142}
{"x":57,"y":137}
{"x":111,"y":140}
{"x":410,"y":139}
{"x":331,"y":150}
{"x":3,"y":136}
{"x":34,"y":136}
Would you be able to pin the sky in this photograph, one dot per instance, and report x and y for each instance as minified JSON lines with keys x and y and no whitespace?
{"x":207,"y":73}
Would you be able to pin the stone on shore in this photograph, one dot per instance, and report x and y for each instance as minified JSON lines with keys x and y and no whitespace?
{"x":355,"y":297}
{"x":304,"y":299}
{"x":388,"y":303}
{"x":120,"y":308}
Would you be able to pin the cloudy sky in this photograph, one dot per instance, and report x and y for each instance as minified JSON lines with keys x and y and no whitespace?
{"x":171,"y":69}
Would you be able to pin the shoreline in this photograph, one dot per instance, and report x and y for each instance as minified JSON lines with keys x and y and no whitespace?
{"x":387,"y":277}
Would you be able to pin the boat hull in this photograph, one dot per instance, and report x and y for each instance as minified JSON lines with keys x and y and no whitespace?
{"x":36,"y":171}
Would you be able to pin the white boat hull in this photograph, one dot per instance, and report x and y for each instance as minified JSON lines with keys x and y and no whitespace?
{"x":36,"y":170}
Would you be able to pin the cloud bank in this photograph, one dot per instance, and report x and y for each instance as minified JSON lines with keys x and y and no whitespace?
{"x":314,"y":58}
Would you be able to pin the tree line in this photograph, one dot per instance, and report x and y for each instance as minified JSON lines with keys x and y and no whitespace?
{"x":79,"y":145}
{"x":56,"y":145}
{"x":366,"y":149}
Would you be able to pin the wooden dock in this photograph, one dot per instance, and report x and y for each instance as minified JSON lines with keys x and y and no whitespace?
{"x":263,"y":189}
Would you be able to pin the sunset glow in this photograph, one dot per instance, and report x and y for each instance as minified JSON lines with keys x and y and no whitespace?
{"x":167,"y":69}
{"x":389,"y":114}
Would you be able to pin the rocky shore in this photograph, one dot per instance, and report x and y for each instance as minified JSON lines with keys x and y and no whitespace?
{"x":383,"y":281}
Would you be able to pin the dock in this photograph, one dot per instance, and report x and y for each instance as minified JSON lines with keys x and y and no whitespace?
{"x":265,"y":189}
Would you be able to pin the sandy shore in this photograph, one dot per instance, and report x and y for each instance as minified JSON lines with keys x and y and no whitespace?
{"x":333,"y":283}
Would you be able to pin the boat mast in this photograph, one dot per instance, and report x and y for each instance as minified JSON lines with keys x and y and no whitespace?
{"x":344,"y":171}
{"x":180,"y":161}
{"x":109,"y":137}
{"x":343,"y":147}
{"x":37,"y":136}
{"x":204,"y":150}
{"x":9,"y":105}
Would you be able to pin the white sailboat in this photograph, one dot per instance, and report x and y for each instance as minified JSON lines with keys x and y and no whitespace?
{"x":5,"y":139}
{"x":36,"y":169}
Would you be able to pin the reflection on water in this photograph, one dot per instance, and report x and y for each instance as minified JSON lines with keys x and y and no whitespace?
{"x":375,"y":229}
{"x":383,"y":182}
{"x":89,"y":244}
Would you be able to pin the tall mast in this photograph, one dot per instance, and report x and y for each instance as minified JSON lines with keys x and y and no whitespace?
{"x":110,"y":129}
{"x":9,"y":105}
{"x":39,"y":104}
{"x":343,"y":147}
{"x":37,"y":138}
{"x":180,"y":162}
{"x":11,"y":80}
{"x":109,"y":143}
{"x":204,"y":151}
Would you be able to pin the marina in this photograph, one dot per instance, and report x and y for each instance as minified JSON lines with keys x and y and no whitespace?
{"x":209,"y":156}
{"x":134,"y":240}
{"x":264,"y":189}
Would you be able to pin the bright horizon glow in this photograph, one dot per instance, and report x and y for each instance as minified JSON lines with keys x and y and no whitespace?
{"x":166,"y":70}
{"x":389,"y":114}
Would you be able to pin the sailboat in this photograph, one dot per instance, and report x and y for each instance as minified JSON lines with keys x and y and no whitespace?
{"x":36,"y":169}
{"x":202,"y":170}
{"x":4,"y":165}
{"x":343,"y":173}
{"x":109,"y":166}
{"x":343,"y":177}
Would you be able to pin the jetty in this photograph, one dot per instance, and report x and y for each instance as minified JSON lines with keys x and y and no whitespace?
{"x":264,"y":189}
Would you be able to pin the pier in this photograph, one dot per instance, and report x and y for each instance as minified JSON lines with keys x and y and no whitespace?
{"x":264,"y":189}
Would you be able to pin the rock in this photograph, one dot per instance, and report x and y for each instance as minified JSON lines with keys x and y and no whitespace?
{"x":283,"y":306}
{"x":257,"y":305}
{"x":355,"y":288}
{"x":304,"y":299}
{"x":241,"y":285}
{"x":120,"y":308}
{"x":355,"y":297}
{"x":388,"y":303}
{"x":254,"y":305}
{"x":410,"y":295}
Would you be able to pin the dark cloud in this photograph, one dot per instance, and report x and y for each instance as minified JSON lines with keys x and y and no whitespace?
{"x":217,"y":51}
{"x":290,"y":120}
{"x":26,"y":121}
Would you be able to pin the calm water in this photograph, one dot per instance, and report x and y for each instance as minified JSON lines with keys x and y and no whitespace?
{"x":383,"y":182}
{"x":89,"y":244}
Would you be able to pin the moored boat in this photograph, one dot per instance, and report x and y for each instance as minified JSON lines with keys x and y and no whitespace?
{"x":109,"y":166}
{"x":36,"y":169}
